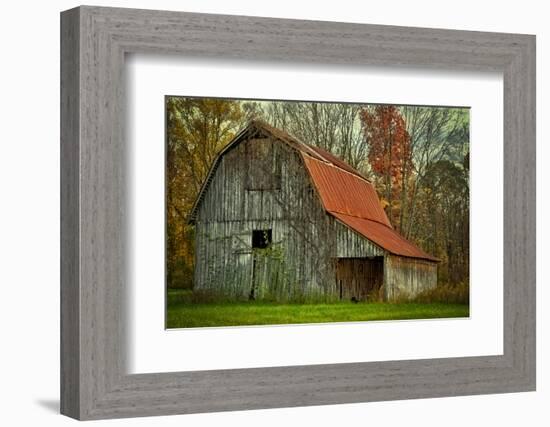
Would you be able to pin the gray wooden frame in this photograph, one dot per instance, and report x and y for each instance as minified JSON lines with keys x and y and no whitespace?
{"x":94,"y":382}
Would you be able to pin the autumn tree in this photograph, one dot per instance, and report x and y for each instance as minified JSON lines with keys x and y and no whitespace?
{"x":197,"y":129}
{"x":389,"y":155}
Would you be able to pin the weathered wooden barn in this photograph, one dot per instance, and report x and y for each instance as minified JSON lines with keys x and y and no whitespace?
{"x":281,"y":220}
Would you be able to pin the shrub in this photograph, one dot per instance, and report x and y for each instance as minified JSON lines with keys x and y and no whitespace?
{"x":445,"y":293}
{"x":181,"y":276}
{"x":377,"y":295}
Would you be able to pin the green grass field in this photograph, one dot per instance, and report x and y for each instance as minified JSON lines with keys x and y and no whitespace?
{"x":182,"y":313}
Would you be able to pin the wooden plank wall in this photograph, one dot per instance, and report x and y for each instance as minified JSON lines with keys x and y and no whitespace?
{"x":301,"y":253}
{"x":360,"y":278}
{"x":406,"y":277}
{"x":349,"y":244}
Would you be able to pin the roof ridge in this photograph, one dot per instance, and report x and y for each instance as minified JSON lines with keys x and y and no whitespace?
{"x":306,"y":148}
{"x":329,"y":163}
{"x":316,"y":153}
{"x":360,"y":217}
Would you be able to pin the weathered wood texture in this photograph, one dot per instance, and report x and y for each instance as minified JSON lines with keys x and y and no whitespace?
{"x":405,"y":277}
{"x":261,"y":184}
{"x":70,"y":218}
{"x":95,"y":279}
{"x":360,"y":278}
{"x":349,"y":244}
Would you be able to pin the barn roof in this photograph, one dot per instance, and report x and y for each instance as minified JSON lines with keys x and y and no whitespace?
{"x":344,"y":192}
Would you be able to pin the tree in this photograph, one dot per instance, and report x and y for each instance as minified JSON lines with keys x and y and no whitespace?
{"x":333,"y":127}
{"x":445,"y":210}
{"x":436,"y":133}
{"x":389,"y":154}
{"x":197,"y":129}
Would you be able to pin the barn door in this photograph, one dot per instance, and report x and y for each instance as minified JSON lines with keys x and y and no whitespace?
{"x":261,"y":242}
{"x":359,"y":279}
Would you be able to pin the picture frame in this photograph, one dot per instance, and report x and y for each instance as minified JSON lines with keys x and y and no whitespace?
{"x":94,"y":268}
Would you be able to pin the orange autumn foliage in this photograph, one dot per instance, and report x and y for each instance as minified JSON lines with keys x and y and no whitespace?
{"x":389,"y":150}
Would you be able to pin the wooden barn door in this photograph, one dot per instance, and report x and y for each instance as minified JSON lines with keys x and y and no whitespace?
{"x":359,"y":278}
{"x":261,"y":242}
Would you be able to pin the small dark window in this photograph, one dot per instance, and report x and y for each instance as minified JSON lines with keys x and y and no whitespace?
{"x":261,"y":239}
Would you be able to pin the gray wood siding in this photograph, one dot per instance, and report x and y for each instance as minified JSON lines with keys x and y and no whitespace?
{"x":349,"y":244}
{"x":298,"y":265}
{"x":406,"y":277}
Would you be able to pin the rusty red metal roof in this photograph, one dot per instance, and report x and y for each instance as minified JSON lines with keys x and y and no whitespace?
{"x":344,"y":192}
{"x":353,"y":200}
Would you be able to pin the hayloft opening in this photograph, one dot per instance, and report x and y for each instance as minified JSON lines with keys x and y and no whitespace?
{"x":261,"y":239}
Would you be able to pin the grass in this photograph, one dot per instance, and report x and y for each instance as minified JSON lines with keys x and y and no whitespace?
{"x":184,"y":313}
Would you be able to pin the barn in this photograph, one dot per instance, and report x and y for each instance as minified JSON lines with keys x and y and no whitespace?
{"x":277,"y":219}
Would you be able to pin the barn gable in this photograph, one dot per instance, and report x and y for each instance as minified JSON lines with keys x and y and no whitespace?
{"x":345,"y":194}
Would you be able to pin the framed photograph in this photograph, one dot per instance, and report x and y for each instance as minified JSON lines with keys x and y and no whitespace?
{"x":278,"y":231}
{"x":261,"y":213}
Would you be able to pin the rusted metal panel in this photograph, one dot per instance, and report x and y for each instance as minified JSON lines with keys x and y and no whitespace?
{"x":384,"y":236}
{"x":327,"y":156}
{"x":345,"y":193}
